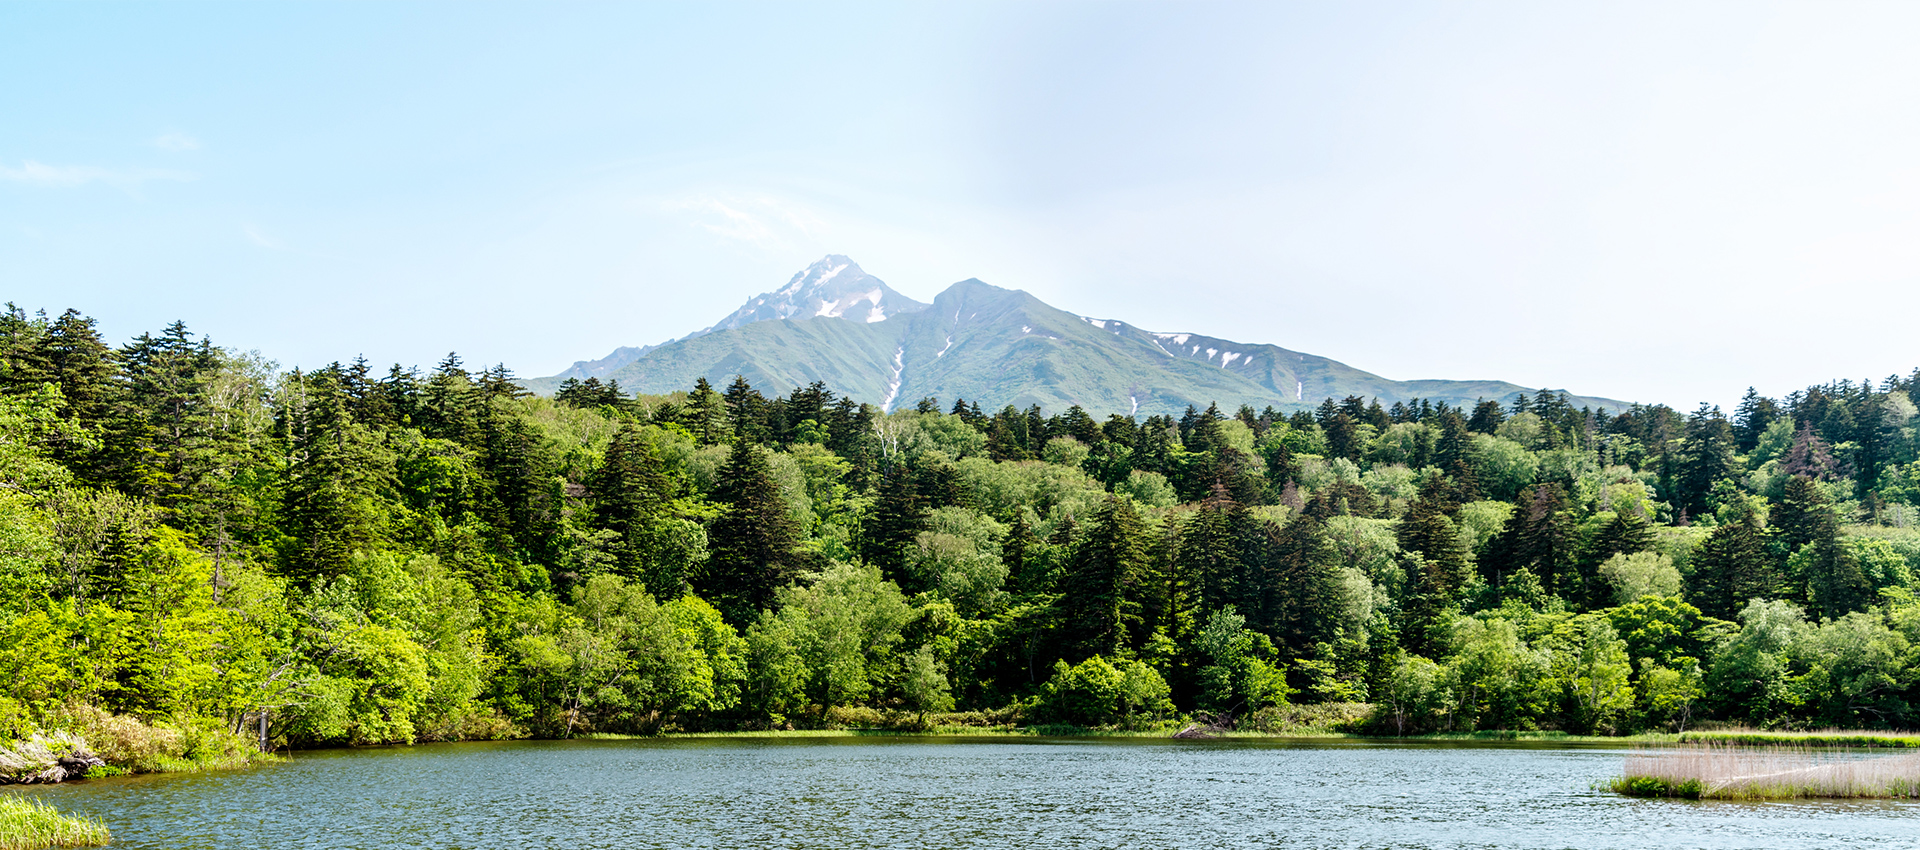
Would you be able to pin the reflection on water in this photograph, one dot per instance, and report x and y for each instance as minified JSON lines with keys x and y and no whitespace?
{"x":944,"y":792}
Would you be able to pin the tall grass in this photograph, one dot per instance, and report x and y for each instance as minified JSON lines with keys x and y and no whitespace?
{"x":1811,"y":738}
{"x":30,"y":824}
{"x":1712,"y":771}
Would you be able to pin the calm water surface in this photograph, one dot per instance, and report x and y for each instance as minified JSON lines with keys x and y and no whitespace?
{"x":862,"y":793}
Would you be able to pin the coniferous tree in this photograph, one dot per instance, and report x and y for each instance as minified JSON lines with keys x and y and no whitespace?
{"x":82,"y":366}
{"x":1733,"y":566}
{"x":334,"y":469}
{"x":1206,"y":554}
{"x":746,"y":410}
{"x":705,"y":414}
{"x":23,"y":364}
{"x":1487,"y":416}
{"x":1435,"y":561}
{"x":1705,"y":457}
{"x":1299,"y":600}
{"x":1810,"y":456}
{"x":1751,"y":419}
{"x":754,"y":544}
{"x":1101,"y":589}
{"x":1836,"y":586}
{"x":1804,"y":523}
{"x":1453,"y":454}
{"x":1539,"y":538}
{"x":631,"y":497}
{"x":165,"y":436}
{"x":1007,"y":438}
{"x":523,"y":505}
{"x":1803,"y":516}
{"x":899,"y":515}
{"x":1026,"y":571}
{"x":449,"y":404}
{"x":1626,"y":534}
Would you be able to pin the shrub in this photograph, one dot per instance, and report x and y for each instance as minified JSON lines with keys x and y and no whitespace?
{"x":1095,"y":692}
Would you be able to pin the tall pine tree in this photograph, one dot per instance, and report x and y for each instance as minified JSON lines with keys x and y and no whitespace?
{"x":754,"y":543}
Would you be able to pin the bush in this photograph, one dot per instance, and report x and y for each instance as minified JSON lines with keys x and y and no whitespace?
{"x":137,"y":747}
{"x":1096,"y":693}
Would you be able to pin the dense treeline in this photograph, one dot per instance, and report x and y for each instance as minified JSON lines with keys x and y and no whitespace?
{"x":187,"y":532}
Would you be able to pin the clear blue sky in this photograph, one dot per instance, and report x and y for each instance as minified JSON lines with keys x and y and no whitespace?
{"x":1660,"y":201}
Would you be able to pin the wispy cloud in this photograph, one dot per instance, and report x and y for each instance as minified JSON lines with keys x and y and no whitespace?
{"x":762,"y":221}
{"x":41,"y":174}
{"x":176,"y":142}
{"x":261,"y":238}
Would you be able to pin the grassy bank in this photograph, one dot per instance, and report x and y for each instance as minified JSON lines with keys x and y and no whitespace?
{"x":127,"y":745}
{"x":1723,"y":772}
{"x":30,"y":824}
{"x":1293,"y":721}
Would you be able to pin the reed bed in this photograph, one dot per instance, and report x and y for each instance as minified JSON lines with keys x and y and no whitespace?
{"x":30,"y":824}
{"x":1722,"y":772}
{"x":1812,"y":738}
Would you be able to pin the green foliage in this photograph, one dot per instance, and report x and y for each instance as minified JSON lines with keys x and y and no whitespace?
{"x":1239,"y":676}
{"x":190,"y":540}
{"x":1640,"y":574}
{"x":1095,"y":692}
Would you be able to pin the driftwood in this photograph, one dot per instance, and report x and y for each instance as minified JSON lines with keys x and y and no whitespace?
{"x":71,"y":766}
{"x":1211,"y":728}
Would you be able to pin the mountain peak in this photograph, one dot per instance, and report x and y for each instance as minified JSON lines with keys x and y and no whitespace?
{"x":834,"y":286}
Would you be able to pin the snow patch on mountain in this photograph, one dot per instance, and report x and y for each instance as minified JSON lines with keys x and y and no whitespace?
{"x":893,"y":387}
{"x":833,"y":287}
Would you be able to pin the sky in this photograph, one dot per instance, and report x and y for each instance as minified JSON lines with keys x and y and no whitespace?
{"x":1663,"y":202}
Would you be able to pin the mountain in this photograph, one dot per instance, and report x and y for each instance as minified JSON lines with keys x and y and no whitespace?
{"x":834,"y":287}
{"x":835,"y":324}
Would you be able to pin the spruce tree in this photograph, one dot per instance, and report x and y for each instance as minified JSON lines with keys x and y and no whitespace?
{"x":334,"y":470}
{"x":631,"y":494}
{"x":1803,"y":516}
{"x":746,"y":410}
{"x":1435,"y":562}
{"x":705,"y":414}
{"x":1734,"y":567}
{"x":1836,"y":586}
{"x":1206,"y":555}
{"x":898,"y":516}
{"x":449,"y":405}
{"x":1487,"y":416}
{"x":754,"y":544}
{"x":1751,"y":419}
{"x":1706,"y":456}
{"x":82,"y":365}
{"x":1627,"y":533}
{"x":165,"y":439}
{"x":1539,"y":539}
{"x":1300,"y":598}
{"x":1101,"y":589}
{"x":1453,"y":454}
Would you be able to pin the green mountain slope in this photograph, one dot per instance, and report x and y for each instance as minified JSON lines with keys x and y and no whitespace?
{"x":851,"y":357}
{"x":998,"y":347}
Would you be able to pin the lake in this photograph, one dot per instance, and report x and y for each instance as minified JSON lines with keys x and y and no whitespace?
{"x":863,"y":793}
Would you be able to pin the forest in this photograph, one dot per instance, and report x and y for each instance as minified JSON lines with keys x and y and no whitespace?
{"x":189,"y":535}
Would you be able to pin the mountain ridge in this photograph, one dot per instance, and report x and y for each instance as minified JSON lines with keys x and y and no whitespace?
{"x":996,"y":347}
